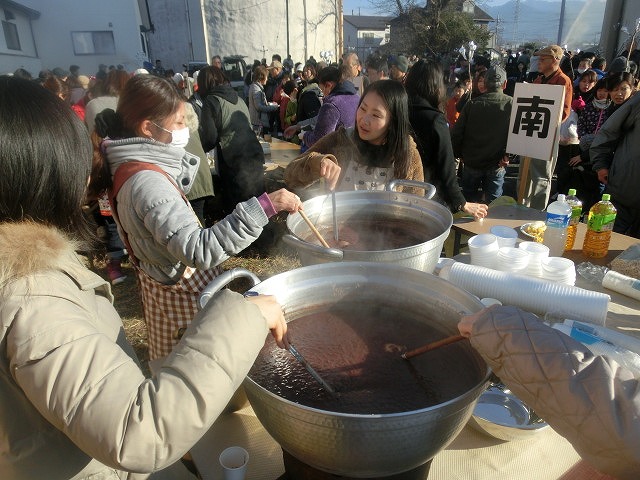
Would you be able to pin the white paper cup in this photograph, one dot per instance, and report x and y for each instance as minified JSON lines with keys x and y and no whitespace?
{"x":483,"y":249}
{"x":234,"y":462}
{"x":506,"y":235}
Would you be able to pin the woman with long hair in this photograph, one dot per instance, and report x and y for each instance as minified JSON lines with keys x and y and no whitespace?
{"x":377,"y":150}
{"x":425,"y":87}
{"x":143,"y":164}
{"x":75,"y":403}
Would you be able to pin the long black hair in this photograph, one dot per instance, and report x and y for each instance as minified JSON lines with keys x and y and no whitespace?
{"x":396,"y":147}
{"x":426,"y":79}
{"x":45,"y":158}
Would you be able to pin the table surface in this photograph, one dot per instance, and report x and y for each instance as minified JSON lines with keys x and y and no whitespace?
{"x":282,"y":152}
{"x":546,"y":456}
{"x":624,"y":312}
{"x":517,"y":215}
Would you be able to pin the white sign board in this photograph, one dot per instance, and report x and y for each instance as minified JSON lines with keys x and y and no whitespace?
{"x":535,"y":116}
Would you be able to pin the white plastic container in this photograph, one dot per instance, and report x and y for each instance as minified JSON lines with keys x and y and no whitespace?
{"x":506,"y":236}
{"x":537,"y":252}
{"x":555,"y":235}
{"x":511,"y":259}
{"x":559,"y":269}
{"x":483,"y":249}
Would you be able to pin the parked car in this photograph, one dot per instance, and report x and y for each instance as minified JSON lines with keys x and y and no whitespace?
{"x":236,"y":69}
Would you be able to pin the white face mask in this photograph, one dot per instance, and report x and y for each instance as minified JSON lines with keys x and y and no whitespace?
{"x":180,"y":138}
{"x":582,"y":70}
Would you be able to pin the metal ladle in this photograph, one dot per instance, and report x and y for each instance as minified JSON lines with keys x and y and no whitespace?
{"x":298,"y":356}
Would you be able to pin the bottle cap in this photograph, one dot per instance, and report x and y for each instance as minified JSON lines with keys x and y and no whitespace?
{"x":561,"y":197}
{"x":572,"y":191}
{"x":606,"y":197}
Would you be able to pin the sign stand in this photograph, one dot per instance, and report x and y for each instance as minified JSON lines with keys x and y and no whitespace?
{"x":523,"y":178}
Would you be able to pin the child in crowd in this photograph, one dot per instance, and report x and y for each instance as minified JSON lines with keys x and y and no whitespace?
{"x":456,"y":95}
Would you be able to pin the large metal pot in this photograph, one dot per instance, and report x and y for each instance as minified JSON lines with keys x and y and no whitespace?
{"x":428,"y":214}
{"x":364,"y":445}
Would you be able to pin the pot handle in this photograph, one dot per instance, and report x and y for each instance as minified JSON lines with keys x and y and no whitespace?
{"x":221,"y":281}
{"x":334,"y":254}
{"x":429,"y":189}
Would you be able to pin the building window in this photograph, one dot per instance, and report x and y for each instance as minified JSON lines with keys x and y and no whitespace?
{"x":93,"y":43}
{"x":11,"y":35}
{"x":368,"y":38}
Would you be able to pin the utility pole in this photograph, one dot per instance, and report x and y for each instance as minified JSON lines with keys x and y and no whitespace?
{"x":304,"y":28}
{"x":287,"y":12}
{"x":561,"y":24}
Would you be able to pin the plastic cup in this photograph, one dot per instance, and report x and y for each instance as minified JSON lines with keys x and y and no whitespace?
{"x":234,"y":462}
{"x":483,"y":249}
{"x":506,"y":236}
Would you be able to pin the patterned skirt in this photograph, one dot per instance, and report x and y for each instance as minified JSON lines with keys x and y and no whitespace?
{"x":169,"y":309}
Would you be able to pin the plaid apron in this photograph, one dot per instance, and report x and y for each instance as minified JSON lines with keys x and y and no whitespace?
{"x":169,"y":309}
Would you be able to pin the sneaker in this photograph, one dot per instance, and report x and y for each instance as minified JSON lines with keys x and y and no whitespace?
{"x":115,"y":272}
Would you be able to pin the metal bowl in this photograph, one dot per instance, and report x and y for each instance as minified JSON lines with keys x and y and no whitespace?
{"x":411,"y":209}
{"x":504,"y":416}
{"x":368,"y":445}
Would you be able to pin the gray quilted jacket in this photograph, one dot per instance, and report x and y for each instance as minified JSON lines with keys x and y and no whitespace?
{"x":590,"y":400}
{"x":163,"y":231}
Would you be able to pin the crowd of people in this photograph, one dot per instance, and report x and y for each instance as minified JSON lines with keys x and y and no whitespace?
{"x":137,"y":147}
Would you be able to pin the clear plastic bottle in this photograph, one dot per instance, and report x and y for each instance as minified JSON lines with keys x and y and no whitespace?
{"x":555,"y":235}
{"x":602,"y":216}
{"x":576,"y":212}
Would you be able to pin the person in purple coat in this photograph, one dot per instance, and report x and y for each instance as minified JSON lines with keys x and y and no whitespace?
{"x":338,"y":108}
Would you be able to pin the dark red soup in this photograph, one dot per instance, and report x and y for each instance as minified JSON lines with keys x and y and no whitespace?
{"x":357,"y":350}
{"x":374,"y":233}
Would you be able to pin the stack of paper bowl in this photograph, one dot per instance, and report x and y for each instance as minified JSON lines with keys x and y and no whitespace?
{"x":506,"y":236}
{"x":559,"y":270}
{"x":512,"y":259}
{"x":484,"y":250}
{"x":537,"y":251}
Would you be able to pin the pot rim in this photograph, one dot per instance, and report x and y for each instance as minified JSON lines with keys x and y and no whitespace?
{"x":381,"y":196}
{"x":481,"y":385}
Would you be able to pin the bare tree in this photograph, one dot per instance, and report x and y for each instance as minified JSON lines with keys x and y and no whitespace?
{"x":395,"y":7}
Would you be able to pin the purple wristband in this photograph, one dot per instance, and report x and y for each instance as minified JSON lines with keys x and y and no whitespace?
{"x":267,"y":206}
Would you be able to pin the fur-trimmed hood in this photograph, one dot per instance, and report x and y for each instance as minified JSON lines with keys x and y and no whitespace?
{"x":29,"y":248}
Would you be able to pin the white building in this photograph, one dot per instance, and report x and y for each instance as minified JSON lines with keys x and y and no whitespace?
{"x":196,"y":30}
{"x":41,"y":34}
{"x":364,"y":34}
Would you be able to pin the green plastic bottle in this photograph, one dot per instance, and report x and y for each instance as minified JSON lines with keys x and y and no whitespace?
{"x":602,"y":216}
{"x":576,"y":212}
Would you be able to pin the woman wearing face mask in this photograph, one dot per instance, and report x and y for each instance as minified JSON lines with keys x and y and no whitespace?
{"x":377,"y":150}
{"x":175,"y":255}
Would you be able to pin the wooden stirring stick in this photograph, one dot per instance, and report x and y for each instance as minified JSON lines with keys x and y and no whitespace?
{"x":432,"y":346}
{"x":313,"y":229}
